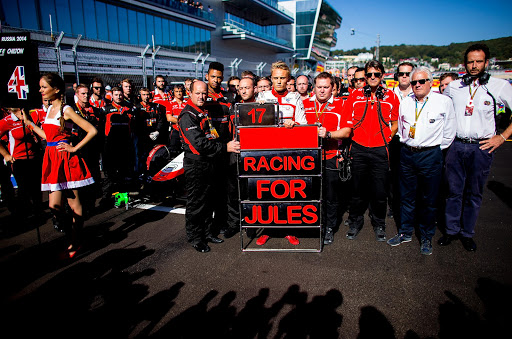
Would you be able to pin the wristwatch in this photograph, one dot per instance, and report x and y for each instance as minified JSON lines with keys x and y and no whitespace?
{"x":328,"y":135}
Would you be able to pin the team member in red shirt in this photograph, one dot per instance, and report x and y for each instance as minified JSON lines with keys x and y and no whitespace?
{"x":159,"y":92}
{"x":97,"y":98}
{"x":150,"y":127}
{"x":323,"y":108}
{"x":24,"y":157}
{"x":177,"y":104}
{"x":375,"y":113}
{"x":119,"y":155}
{"x":90,"y":152}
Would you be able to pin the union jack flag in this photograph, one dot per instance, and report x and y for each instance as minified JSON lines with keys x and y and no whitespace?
{"x":17,"y":83}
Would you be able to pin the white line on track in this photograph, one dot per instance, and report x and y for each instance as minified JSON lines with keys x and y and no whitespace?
{"x":179,"y":210}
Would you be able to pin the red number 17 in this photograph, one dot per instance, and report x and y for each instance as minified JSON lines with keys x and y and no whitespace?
{"x":253,"y":113}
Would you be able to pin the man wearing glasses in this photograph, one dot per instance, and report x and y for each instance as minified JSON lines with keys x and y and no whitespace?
{"x":375,"y":113}
{"x":403,"y":72}
{"x":426,"y":125}
{"x":359,"y":79}
{"x":97,"y":98}
{"x":402,"y":91}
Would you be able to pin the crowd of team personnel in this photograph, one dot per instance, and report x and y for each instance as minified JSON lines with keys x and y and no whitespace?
{"x":403,"y":142}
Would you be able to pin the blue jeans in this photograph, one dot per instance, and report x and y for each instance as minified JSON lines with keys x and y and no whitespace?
{"x":467,"y":169}
{"x":420,"y":176}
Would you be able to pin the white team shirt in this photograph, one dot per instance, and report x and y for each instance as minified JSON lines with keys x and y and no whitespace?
{"x":480,"y":125}
{"x":399,"y":94}
{"x":290,"y":105}
{"x":436,"y":123}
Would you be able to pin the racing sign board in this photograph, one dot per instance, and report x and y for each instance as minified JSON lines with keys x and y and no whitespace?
{"x":19,"y":74}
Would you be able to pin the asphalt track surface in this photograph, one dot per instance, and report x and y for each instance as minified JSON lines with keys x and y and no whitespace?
{"x":137,"y":277}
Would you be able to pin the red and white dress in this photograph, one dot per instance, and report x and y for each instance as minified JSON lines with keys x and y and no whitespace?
{"x":61,"y":170}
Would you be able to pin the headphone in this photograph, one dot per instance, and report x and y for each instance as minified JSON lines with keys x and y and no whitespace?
{"x":483,"y":78}
{"x":379,"y":94}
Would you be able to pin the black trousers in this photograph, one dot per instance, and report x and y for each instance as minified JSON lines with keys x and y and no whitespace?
{"x":332,"y":193}
{"x":370,"y":171}
{"x":27,"y":173}
{"x":199,"y":178}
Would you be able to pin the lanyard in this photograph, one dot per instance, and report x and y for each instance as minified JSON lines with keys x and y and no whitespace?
{"x":416,"y":114}
{"x":321,"y":112}
{"x":472,"y":95}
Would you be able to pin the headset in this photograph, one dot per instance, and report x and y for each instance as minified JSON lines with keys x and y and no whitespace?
{"x":483,"y":78}
{"x":379,"y":93}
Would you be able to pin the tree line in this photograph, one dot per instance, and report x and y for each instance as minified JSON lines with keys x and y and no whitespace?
{"x":500,"y":48}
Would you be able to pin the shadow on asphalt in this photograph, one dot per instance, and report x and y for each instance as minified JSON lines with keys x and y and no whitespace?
{"x":503,"y":192}
{"x":103,"y":298}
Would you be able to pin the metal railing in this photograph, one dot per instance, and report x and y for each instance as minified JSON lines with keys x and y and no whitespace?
{"x":274,"y":39}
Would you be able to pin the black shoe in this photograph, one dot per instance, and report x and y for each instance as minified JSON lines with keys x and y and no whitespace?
{"x":353,"y":232}
{"x":329,"y":236}
{"x":214,"y":240}
{"x":447,"y":239}
{"x":468,"y":243}
{"x":230,"y":232}
{"x":201,"y":247}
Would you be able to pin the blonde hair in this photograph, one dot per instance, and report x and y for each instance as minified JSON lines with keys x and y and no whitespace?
{"x":280,"y":65}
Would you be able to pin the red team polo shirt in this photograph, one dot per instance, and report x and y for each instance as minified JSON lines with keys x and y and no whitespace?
{"x":330,"y":116}
{"x":13,"y":127}
{"x":367,"y":129}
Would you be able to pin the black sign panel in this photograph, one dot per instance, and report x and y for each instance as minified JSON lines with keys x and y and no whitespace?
{"x":282,"y":162}
{"x":254,"y":114}
{"x":281,"y":214}
{"x":280,"y":188}
{"x":19,"y":74}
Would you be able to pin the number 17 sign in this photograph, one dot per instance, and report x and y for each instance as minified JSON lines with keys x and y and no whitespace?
{"x":255,"y":114}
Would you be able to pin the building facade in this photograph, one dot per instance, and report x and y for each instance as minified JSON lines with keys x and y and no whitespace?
{"x":141,"y":38}
{"x":314,"y":31}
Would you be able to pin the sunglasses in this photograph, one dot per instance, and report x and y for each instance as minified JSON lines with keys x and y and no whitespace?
{"x":421,"y":81}
{"x":97,"y":87}
{"x":401,"y":74}
{"x":359,"y":79}
{"x":376,"y":74}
